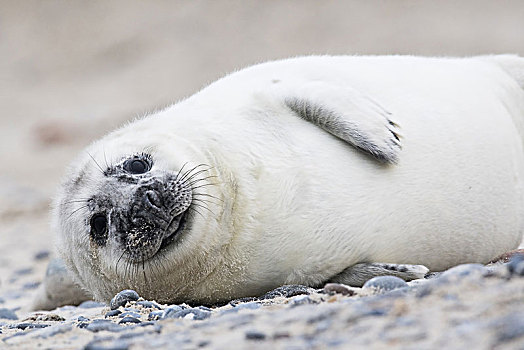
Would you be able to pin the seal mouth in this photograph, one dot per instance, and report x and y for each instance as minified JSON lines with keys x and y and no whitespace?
{"x":175,"y":227}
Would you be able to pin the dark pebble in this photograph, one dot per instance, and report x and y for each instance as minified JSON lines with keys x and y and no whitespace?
{"x":95,"y":344}
{"x":112,"y":313}
{"x":147,"y":303}
{"x":171,"y":310}
{"x":252,"y":305}
{"x":287,"y":291}
{"x":24,"y":271}
{"x":129,"y":319}
{"x":516,"y":265}
{"x":82,"y":319}
{"x":205,"y":308}
{"x":385,"y":283}
{"x":103,"y":325}
{"x":333,"y":288}
{"x":41,"y":255}
{"x":130,"y":314}
{"x":197,"y":314}
{"x":26,"y":325}
{"x":31,"y":285}
{"x":255,"y":335}
{"x":7,"y":314}
{"x":301,"y":300}
{"x":54,"y":330}
{"x":122,"y":298}
{"x":462,"y":270}
{"x":155,"y":315}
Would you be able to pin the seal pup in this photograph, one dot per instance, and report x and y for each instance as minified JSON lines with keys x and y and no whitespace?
{"x":302,"y":171}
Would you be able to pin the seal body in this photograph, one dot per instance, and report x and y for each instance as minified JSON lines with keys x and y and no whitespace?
{"x":296,"y":170}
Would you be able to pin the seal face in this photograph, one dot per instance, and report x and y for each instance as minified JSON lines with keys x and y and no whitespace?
{"x":143,"y":210}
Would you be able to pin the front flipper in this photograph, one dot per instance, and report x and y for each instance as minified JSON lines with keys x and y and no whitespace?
{"x":349,"y":115}
{"x":359,"y":274}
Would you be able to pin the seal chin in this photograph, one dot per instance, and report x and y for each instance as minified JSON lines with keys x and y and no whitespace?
{"x":174,"y":230}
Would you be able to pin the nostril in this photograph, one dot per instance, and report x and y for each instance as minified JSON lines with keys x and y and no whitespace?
{"x":153,"y":199}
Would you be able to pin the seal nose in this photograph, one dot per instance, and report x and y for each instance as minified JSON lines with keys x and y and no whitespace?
{"x":153,"y":199}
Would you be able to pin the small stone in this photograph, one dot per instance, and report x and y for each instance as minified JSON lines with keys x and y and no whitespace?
{"x":130,"y":314}
{"x":103,"y":325}
{"x":252,"y":305}
{"x":149,"y":304}
{"x":53,"y":330}
{"x":41,"y":255}
{"x":171,"y":310}
{"x":301,"y":300}
{"x":82,"y":319}
{"x":333,"y":288}
{"x":194,"y":313}
{"x":255,"y":335}
{"x":7,"y":314}
{"x":383,"y":284}
{"x":155,"y":315}
{"x":31,"y":285}
{"x":129,"y":319}
{"x":90,"y":304}
{"x":112,"y":313}
{"x":122,"y":298}
{"x":24,"y":271}
{"x":462,"y":270}
{"x":26,"y":325}
{"x":516,"y":264}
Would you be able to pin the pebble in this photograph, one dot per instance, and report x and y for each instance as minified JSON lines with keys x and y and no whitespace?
{"x":53,"y":330}
{"x":301,"y":300}
{"x":255,"y":335}
{"x":155,"y":315}
{"x":113,"y":313}
{"x":103,"y":325}
{"x":171,"y":310}
{"x":7,"y":314}
{"x":41,"y":255}
{"x":122,"y":298}
{"x":82,"y":319}
{"x":27,"y":325}
{"x":129,"y":319}
{"x":196,"y":313}
{"x":252,"y":305}
{"x":24,"y":271}
{"x":130,"y":314}
{"x":149,"y":304}
{"x":383,"y":284}
{"x":462,"y":270}
{"x":516,"y":265}
{"x":333,"y":288}
{"x":31,"y":285}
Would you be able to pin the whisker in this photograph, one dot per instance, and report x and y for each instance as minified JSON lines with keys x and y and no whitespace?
{"x":182,"y":168}
{"x":74,"y":211}
{"x":198,"y":180}
{"x":204,"y":207}
{"x":196,"y":211}
{"x":195,"y":174}
{"x":98,"y":165}
{"x":182,"y":179}
{"x":204,"y":185}
{"x":207,"y":195}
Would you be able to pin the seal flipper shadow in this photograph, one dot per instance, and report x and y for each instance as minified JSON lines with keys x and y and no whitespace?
{"x":349,"y":115}
{"x":359,"y":274}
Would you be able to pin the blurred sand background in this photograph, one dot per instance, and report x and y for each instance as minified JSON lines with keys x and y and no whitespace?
{"x":72,"y":70}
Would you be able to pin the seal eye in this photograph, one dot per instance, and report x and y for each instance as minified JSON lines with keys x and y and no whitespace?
{"x":136,"y":166}
{"x":99,"y":228}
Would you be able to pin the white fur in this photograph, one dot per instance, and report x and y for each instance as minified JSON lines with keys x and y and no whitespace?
{"x":300,"y":205}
